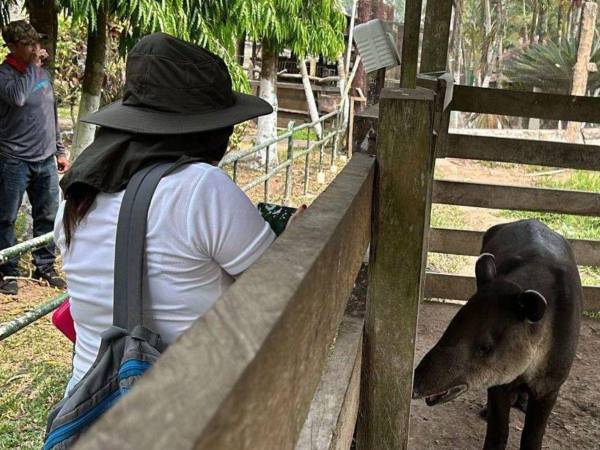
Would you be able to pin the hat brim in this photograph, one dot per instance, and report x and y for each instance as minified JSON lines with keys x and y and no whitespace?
{"x":150,"y":121}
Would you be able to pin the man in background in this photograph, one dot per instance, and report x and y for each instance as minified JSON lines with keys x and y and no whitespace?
{"x":31,"y":152}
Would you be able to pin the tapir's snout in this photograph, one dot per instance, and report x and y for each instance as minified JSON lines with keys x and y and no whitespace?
{"x":435,"y":381}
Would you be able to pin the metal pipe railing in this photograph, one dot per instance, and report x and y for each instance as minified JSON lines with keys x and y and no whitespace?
{"x":24,"y":247}
{"x":9,"y":328}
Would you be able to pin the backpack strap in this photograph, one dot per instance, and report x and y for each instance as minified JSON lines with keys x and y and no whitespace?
{"x":130,"y":246}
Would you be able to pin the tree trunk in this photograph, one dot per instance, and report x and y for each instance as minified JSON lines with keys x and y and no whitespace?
{"x":580,"y":71}
{"x":560,"y":21}
{"x":240,"y":50}
{"x":543,"y":22}
{"x":267,"y":125}
{"x":534,"y":22}
{"x":364,"y":15}
{"x":310,"y":98}
{"x":457,"y":41}
{"x":486,"y":46}
{"x":93,"y":77}
{"x":499,"y":38}
{"x":43,"y":15}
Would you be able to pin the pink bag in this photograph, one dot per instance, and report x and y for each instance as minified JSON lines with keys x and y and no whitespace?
{"x":61,"y":318}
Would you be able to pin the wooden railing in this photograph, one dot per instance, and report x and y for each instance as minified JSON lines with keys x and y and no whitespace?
{"x":247,"y":374}
{"x":519,"y":151}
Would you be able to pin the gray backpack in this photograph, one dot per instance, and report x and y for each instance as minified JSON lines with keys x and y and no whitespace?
{"x":128,"y":348}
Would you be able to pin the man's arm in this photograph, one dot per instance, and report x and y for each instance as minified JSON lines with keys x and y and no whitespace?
{"x":16,"y":91}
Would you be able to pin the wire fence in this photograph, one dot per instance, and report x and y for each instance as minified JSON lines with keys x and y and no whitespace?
{"x":330,"y":137}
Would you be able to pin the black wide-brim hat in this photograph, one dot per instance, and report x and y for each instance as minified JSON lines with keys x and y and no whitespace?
{"x":175,"y":87}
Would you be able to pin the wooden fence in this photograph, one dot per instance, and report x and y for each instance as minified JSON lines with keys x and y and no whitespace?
{"x":276,"y":364}
{"x":508,"y":150}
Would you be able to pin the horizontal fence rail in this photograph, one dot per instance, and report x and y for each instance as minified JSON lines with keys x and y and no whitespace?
{"x":9,"y":328}
{"x":526,"y":104}
{"x":24,"y":247}
{"x":460,"y":287}
{"x":523,"y":151}
{"x":259,"y":352}
{"x":516,"y":198}
{"x":468,"y":243}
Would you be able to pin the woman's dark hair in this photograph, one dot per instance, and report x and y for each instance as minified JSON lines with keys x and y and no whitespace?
{"x":78,"y":201}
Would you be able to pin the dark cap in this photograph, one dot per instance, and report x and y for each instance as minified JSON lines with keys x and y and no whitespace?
{"x":20,"y":31}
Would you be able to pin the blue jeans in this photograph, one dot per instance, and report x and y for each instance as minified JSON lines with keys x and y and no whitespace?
{"x":40,"y":180}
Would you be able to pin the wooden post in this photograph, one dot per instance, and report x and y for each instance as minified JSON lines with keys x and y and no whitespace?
{"x":410,"y":44}
{"x":434,"y":53}
{"x":402,"y":201}
{"x":580,"y":71}
{"x":289,"y":174}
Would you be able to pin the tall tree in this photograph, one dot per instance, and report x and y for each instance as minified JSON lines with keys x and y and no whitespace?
{"x":138,"y":17}
{"x":43,"y":15}
{"x":303,"y":26}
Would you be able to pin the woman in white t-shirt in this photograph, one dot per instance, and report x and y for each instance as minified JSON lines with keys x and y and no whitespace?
{"x":202,"y":229}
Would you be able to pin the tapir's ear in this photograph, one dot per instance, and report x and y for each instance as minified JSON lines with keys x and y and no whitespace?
{"x":533,"y":305}
{"x":485,"y":269}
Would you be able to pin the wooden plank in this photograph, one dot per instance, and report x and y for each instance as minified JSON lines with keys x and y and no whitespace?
{"x":396,"y":269}
{"x":434,"y":53}
{"x":333,"y":411}
{"x":243,"y":376}
{"x":459,"y":287}
{"x":468,"y":243}
{"x":526,"y":104}
{"x":523,"y":151}
{"x":516,"y":198}
{"x":410,"y":43}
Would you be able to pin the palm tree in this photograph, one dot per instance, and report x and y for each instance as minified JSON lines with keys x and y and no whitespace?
{"x":303,"y":26}
{"x":549,"y":67}
{"x":192,"y":20}
{"x":138,"y":17}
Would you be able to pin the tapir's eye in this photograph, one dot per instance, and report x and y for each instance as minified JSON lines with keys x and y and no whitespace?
{"x":485,"y":349}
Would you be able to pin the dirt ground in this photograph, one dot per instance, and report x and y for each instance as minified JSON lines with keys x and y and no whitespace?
{"x":575,"y":420}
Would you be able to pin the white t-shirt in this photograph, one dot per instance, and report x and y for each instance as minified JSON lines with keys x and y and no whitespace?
{"x":202,"y":230}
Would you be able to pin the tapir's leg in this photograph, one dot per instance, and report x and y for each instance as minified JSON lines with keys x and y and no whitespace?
{"x":499,"y":402}
{"x":538,"y":411}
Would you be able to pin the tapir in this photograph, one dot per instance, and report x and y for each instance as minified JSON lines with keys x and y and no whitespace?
{"x":517,"y":334}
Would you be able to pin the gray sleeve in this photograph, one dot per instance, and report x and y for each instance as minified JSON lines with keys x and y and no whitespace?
{"x":60,"y":147}
{"x":15,"y":91}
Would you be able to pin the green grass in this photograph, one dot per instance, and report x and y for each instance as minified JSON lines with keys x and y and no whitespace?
{"x":572,"y":227}
{"x":447,"y":216}
{"x":34,"y":368}
{"x":304,"y":133}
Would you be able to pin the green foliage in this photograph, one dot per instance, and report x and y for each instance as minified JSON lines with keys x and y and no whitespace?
{"x":34,"y":368}
{"x":549,"y":67}
{"x":69,"y":62}
{"x":303,"y":26}
{"x":572,"y":227}
{"x":186,"y":19}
